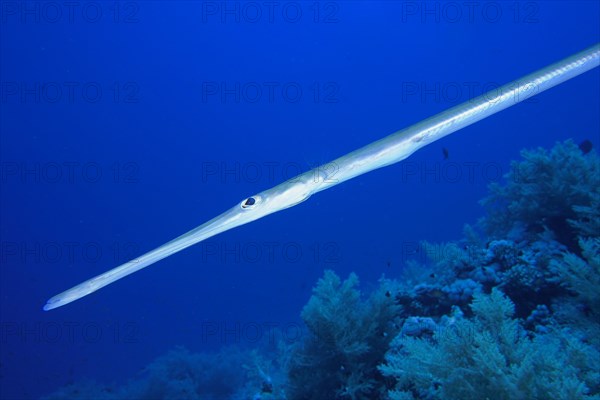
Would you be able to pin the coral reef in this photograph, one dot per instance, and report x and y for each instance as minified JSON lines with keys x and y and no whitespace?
{"x":532,"y":330}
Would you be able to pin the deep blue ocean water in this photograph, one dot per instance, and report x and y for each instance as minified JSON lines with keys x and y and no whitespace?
{"x":125,"y":124}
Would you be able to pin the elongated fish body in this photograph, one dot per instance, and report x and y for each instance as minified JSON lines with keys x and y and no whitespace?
{"x":389,"y":150}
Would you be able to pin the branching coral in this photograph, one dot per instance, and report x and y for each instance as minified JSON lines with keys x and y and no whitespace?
{"x":582,"y":275}
{"x":588,"y":217}
{"x":489,"y":357}
{"x":348,"y":339}
{"x":557,"y":191}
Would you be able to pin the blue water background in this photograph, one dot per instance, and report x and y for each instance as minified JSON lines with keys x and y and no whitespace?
{"x":158,"y":133}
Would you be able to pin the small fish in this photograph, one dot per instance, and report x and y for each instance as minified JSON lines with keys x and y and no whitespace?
{"x":586,"y":146}
{"x":445,"y":151}
{"x":388,"y":294}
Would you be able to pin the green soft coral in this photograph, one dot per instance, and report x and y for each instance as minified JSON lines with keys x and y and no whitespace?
{"x":582,"y":274}
{"x":348,"y":337}
{"x":488,"y":356}
{"x":556,"y":190}
{"x":335,"y":312}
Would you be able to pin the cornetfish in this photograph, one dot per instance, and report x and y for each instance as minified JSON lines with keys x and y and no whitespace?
{"x":389,"y":150}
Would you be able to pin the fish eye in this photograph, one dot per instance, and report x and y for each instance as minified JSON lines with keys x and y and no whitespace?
{"x":250,"y":202}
